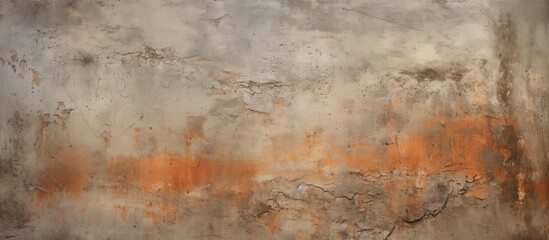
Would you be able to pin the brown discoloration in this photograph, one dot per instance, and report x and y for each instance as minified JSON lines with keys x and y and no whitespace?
{"x":13,"y":57}
{"x":427,"y":74}
{"x":36,"y":77}
{"x":137,"y":138}
{"x":430,"y":74}
{"x":347,"y":105}
{"x":106,"y":136}
{"x":227,"y":76}
{"x":23,"y":64}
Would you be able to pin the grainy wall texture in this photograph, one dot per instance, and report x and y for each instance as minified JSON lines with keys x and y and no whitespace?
{"x":274,"y":119}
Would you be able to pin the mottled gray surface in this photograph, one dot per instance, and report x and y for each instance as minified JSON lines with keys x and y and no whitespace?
{"x":274,"y":119}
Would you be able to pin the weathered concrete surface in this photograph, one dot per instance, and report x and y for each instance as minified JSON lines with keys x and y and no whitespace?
{"x":305,"y":119}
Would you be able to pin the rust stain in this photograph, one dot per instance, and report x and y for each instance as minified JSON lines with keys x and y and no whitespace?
{"x":152,"y":215}
{"x":479,"y":192}
{"x":65,"y":173}
{"x":541,"y":188}
{"x":174,"y":173}
{"x":443,"y":145}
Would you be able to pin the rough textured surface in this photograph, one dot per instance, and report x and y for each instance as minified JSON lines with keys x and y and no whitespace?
{"x":288,"y":119}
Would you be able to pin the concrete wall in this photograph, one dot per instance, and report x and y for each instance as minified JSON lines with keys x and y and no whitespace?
{"x":274,"y":119}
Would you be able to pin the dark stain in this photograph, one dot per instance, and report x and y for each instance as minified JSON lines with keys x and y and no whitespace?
{"x":55,"y":13}
{"x":517,"y":186}
{"x":85,"y":59}
{"x":455,"y":76}
{"x":512,"y":162}
{"x":530,"y":232}
{"x":323,"y":17}
{"x":430,"y":74}
{"x":23,"y":64}
{"x":13,"y":208}
{"x":11,"y":167}
{"x":442,"y":4}
{"x":59,"y":234}
{"x":152,"y":54}
{"x":43,"y":12}
{"x":13,"y":61}
{"x":507,"y":51}
{"x":13,"y":212}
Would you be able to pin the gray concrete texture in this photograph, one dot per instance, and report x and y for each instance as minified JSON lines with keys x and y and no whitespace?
{"x":274,"y":119}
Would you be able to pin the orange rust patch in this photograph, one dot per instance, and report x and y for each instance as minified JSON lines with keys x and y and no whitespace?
{"x":152,"y":215}
{"x":173,"y":173}
{"x":443,"y":145}
{"x":65,"y":172}
{"x":478,"y":191}
{"x":541,"y":188}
